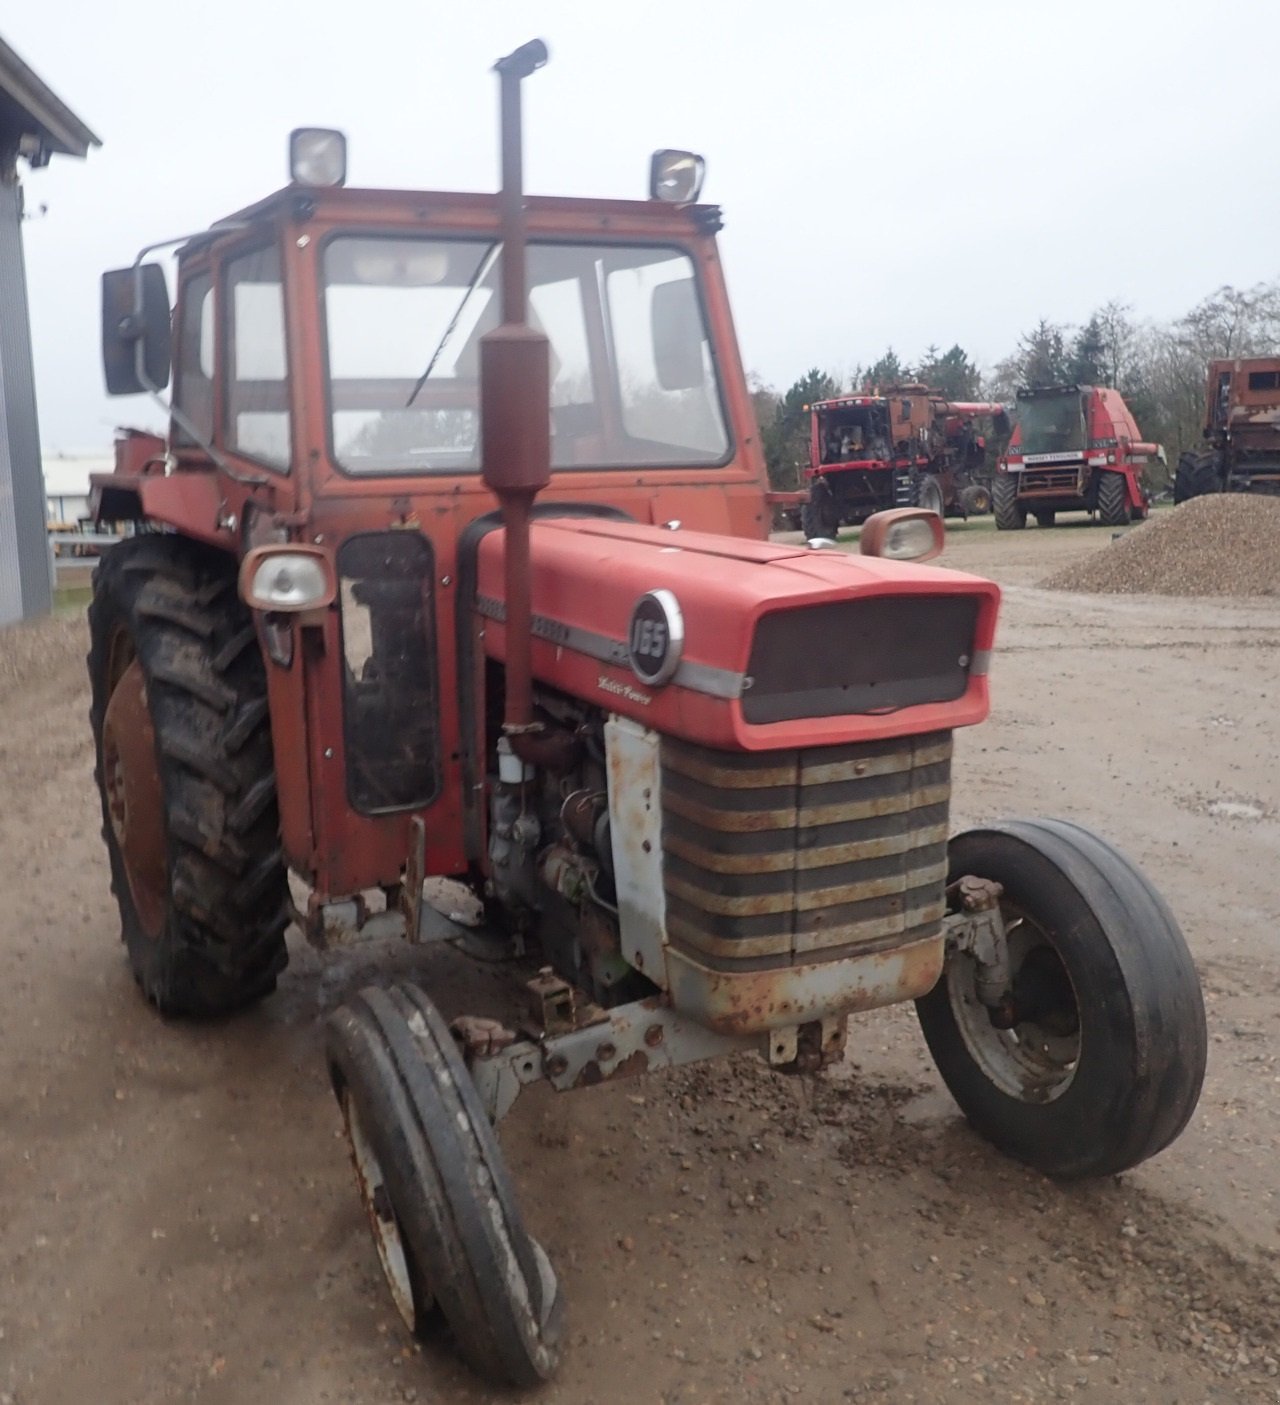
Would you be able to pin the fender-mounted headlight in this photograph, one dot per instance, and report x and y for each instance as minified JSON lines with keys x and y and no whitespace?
{"x":291,"y":579}
{"x":903,"y":534}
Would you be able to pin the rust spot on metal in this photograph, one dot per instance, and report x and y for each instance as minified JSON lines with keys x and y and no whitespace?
{"x":556,"y":1065}
{"x":653,"y":1035}
{"x":606,"y":1052}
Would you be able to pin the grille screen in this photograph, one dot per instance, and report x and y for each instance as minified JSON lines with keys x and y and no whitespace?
{"x":859,"y":656}
{"x":791,"y":857}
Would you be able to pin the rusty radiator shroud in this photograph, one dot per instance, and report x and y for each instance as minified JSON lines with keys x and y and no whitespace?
{"x":767,"y":889}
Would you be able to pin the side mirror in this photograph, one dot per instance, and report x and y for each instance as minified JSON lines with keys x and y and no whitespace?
{"x":135,"y":330}
{"x":677,"y":335}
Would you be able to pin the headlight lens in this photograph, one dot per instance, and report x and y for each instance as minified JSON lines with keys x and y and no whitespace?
{"x":905,"y":541}
{"x":317,"y":156}
{"x":676,"y":176}
{"x":288,"y":580}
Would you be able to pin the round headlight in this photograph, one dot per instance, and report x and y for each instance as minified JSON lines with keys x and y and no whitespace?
{"x":906,"y":541}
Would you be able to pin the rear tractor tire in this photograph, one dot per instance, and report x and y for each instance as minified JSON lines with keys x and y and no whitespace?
{"x":975,"y":500}
{"x":1010,"y":514}
{"x":1098,"y":1062}
{"x":186,"y":777}
{"x":441,"y":1208}
{"x":820,"y":517}
{"x":1113,"y":500}
{"x":1197,"y":474}
{"x":929,"y":495}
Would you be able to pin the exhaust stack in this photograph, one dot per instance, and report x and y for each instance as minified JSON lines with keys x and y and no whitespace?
{"x":515,"y":401}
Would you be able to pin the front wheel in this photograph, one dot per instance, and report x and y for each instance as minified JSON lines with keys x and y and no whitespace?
{"x":1103,"y":1059}
{"x":929,"y":496}
{"x":1010,"y":514}
{"x":434,"y":1184}
{"x":1113,"y":500}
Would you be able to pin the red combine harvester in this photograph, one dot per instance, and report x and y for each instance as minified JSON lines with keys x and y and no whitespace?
{"x":453,"y":567}
{"x":1075,"y":448}
{"x":905,"y":446}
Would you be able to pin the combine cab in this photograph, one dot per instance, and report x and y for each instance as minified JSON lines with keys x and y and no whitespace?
{"x":903,"y":447}
{"x":1075,"y":448}
{"x":453,"y":565}
{"x":1242,"y":427}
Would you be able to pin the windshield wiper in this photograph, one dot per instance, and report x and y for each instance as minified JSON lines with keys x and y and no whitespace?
{"x":482,"y":269}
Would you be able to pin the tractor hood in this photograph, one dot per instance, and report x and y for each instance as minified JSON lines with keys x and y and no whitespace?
{"x":746,"y":645}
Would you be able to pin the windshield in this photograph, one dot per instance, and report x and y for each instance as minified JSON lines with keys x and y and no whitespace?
{"x":1052,"y":424}
{"x":633,"y":381}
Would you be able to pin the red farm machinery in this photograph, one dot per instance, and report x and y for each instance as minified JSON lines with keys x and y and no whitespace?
{"x":1075,"y":448}
{"x":1241,"y":430}
{"x":906,"y":446}
{"x":453,"y":566}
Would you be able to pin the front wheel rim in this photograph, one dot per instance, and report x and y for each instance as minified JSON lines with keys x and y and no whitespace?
{"x":388,"y":1240}
{"x":1036,"y":1060}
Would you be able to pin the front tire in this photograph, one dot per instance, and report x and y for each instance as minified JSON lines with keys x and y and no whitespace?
{"x":1103,"y":1065}
{"x":1113,"y":500}
{"x":186,"y":777}
{"x":435,"y":1186}
{"x":1010,"y":514}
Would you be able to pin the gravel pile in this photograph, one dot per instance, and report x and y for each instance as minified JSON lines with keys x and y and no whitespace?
{"x":1222,"y":544}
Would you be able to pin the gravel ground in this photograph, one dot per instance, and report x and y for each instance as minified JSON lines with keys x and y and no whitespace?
{"x":178,"y":1221}
{"x":1226,"y":544}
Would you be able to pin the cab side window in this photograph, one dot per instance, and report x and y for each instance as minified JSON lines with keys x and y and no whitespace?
{"x":193,"y":363}
{"x":257,"y":389}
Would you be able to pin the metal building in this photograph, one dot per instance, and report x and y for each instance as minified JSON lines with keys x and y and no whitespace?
{"x":34,"y":125}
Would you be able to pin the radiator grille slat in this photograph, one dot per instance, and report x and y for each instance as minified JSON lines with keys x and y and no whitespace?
{"x":782,"y":858}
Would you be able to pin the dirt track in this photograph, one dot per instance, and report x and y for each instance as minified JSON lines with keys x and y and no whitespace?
{"x":178,"y":1222}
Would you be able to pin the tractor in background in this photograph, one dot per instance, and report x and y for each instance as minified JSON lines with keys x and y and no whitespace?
{"x":1242,"y":430}
{"x":453,"y":565}
{"x":1075,"y":448}
{"x":905,"y":446}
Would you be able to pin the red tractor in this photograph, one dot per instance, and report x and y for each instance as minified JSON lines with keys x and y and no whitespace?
{"x":906,"y":446}
{"x":1075,"y":448}
{"x":453,"y":566}
{"x":1242,"y":429}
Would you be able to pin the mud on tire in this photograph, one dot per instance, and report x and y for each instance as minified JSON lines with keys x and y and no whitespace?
{"x":1113,"y":502}
{"x":207,"y":934}
{"x":1010,"y":515}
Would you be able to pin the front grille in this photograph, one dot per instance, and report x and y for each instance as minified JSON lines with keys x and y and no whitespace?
{"x":860,"y":656}
{"x":785,"y":858}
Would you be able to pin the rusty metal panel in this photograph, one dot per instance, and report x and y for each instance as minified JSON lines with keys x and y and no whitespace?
{"x":635,"y":823}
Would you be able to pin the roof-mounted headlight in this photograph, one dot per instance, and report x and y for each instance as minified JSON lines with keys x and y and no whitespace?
{"x":676,"y":176}
{"x":317,"y":156}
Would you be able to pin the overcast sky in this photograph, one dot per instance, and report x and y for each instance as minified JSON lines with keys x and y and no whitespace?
{"x":905,"y":174}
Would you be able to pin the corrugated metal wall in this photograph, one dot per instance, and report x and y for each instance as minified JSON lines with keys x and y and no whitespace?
{"x":26,"y":577}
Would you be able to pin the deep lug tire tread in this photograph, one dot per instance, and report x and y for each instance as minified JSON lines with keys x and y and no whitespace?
{"x":1113,"y":502}
{"x":819,"y":517}
{"x":1196,"y":475}
{"x":392,"y":1052}
{"x":1143,"y":1037}
{"x":1009,"y":514}
{"x":222,"y":944}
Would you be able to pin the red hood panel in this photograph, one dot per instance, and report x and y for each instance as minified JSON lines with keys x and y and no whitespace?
{"x":588,"y":575}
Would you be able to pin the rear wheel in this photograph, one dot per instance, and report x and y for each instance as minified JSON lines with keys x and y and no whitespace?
{"x":1197,"y":475}
{"x":929,"y":495}
{"x":975,"y":499}
{"x":186,"y":776}
{"x":432,"y":1178}
{"x":819,"y":517}
{"x":1103,"y":1059}
{"x":1113,"y":500}
{"x":1010,"y":514}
